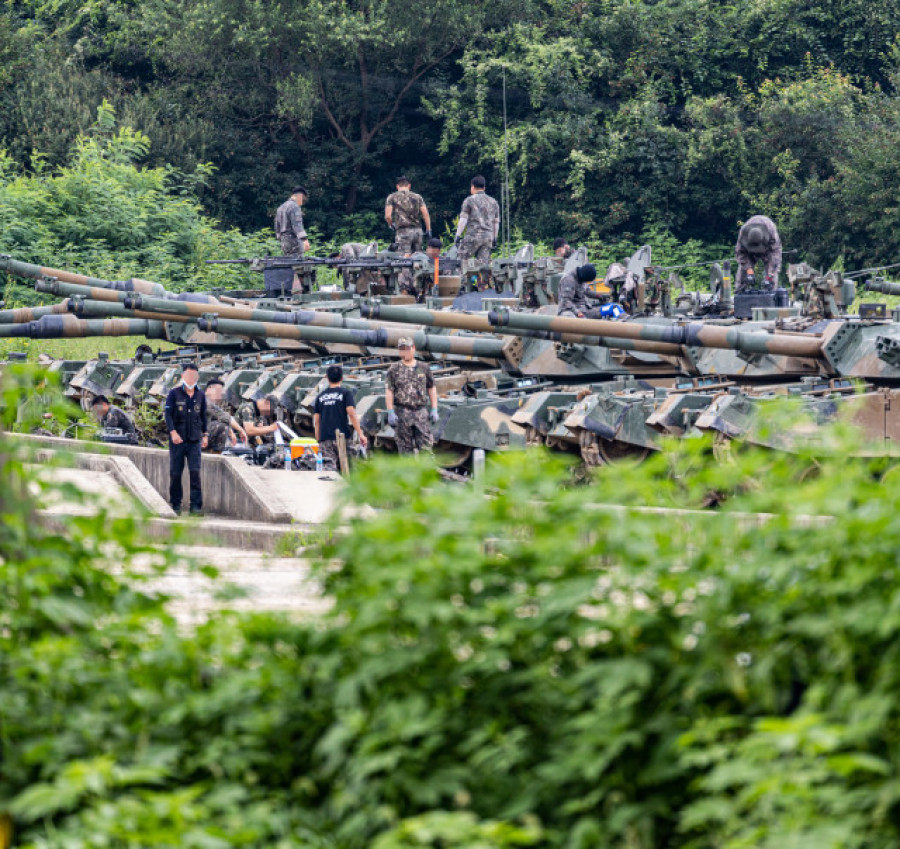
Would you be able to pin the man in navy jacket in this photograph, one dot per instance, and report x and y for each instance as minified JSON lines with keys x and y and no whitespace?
{"x":187,"y":427}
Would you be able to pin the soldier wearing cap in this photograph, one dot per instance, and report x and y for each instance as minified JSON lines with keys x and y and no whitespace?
{"x":289,"y":224}
{"x":186,"y":422}
{"x":112,"y":417}
{"x":410,"y":390}
{"x":574,"y":293}
{"x":405,"y":212}
{"x":758,"y":241}
{"x":479,"y":219}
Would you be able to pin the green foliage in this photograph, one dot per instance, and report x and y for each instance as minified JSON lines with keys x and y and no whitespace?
{"x":107,"y":216}
{"x":684,"y":116}
{"x":536,"y":663}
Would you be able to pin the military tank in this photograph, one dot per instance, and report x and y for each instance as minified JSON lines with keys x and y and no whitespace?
{"x":666,"y":368}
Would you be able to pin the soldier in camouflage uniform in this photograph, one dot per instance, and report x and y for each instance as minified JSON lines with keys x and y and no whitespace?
{"x":410,"y":389}
{"x":574,"y":294}
{"x":222,"y":425}
{"x":258,"y":421}
{"x":289,"y":224}
{"x":112,"y":417}
{"x":479,"y":219}
{"x":405,"y":212}
{"x":758,"y":241}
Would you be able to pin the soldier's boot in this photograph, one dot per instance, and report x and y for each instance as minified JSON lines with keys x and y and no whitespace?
{"x":196,"y":492}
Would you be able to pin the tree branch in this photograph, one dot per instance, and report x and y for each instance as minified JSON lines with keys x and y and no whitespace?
{"x":417,"y":75}
{"x":331,"y":119}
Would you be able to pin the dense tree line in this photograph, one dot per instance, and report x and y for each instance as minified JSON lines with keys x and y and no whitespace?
{"x":624,"y":117}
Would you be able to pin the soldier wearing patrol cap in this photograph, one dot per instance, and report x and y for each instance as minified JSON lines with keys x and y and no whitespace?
{"x":410,"y":391}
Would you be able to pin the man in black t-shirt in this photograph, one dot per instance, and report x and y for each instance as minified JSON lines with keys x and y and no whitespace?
{"x":334,"y":410}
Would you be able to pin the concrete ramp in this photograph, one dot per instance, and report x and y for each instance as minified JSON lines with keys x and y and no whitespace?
{"x":231,"y":488}
{"x":114,"y":483}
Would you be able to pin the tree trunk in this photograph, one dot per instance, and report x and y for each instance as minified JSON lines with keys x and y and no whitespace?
{"x":353,"y":189}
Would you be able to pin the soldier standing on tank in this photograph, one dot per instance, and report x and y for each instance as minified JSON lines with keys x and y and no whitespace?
{"x":479,"y":219}
{"x":333,"y":411}
{"x":186,"y":422}
{"x":561,"y":252}
{"x":410,"y":390}
{"x":289,"y":224}
{"x":223,"y":427}
{"x":574,"y":293}
{"x":405,"y":212}
{"x":112,"y":417}
{"x":758,"y":241}
{"x":290,"y":231}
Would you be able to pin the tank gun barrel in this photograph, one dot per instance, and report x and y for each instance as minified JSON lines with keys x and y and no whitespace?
{"x":36,"y":272}
{"x":374,"y":337}
{"x":691,"y":334}
{"x":885,"y":287}
{"x":172,"y":310}
{"x":68,"y":326}
{"x":24,"y":314}
{"x":480,"y":322}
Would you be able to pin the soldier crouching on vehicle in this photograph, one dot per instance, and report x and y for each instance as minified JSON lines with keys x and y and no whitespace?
{"x":758,"y":241}
{"x":573,"y":293}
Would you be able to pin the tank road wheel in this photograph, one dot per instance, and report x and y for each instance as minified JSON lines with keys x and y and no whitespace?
{"x":533,"y":437}
{"x":590,"y":452}
{"x":810,"y":472}
{"x":382,"y":443}
{"x":614,"y":450}
{"x":452,"y":455}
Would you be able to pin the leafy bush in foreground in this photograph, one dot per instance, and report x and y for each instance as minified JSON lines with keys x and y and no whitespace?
{"x":514,"y":664}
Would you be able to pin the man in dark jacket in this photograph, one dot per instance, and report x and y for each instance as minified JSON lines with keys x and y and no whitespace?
{"x":187,"y":427}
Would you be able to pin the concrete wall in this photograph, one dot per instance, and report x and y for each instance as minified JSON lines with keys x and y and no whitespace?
{"x":229,"y":487}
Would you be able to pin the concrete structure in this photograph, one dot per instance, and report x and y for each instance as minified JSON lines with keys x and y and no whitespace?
{"x":231,"y":487}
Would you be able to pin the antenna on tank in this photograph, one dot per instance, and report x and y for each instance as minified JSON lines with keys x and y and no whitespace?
{"x":504,"y":192}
